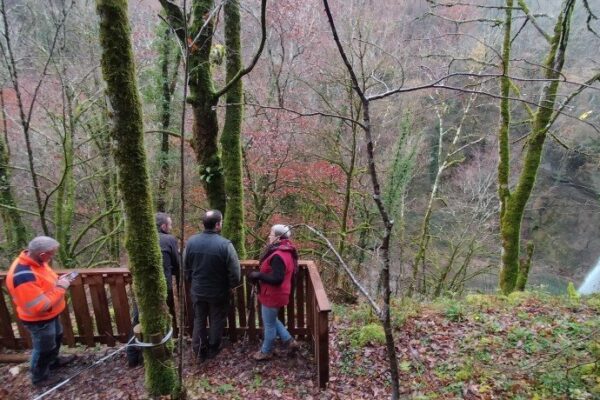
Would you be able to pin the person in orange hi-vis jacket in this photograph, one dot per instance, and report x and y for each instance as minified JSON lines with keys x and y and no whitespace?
{"x":39,"y":295}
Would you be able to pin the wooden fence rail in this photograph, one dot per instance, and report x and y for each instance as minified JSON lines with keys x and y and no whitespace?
{"x":100,"y":300}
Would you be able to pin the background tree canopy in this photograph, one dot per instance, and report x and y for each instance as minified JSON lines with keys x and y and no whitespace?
{"x":303,"y":154}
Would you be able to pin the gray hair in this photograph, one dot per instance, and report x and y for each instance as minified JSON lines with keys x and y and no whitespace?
{"x":161,"y":219}
{"x":282,"y":231}
{"x":41,"y":244}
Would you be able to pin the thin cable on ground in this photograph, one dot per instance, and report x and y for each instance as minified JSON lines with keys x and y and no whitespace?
{"x":52,"y":389}
{"x":133,"y":342}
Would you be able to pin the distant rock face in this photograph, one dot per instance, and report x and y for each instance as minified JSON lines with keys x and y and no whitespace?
{"x":563,"y":218}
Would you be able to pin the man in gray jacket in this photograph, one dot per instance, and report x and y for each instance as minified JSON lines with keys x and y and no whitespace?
{"x":212,"y":268}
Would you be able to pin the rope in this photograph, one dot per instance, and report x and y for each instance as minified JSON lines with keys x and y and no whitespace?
{"x":145,"y":345}
{"x":133,"y":342}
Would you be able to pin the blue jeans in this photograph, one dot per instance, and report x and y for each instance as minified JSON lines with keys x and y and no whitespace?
{"x":46,"y":339}
{"x":273,"y":328}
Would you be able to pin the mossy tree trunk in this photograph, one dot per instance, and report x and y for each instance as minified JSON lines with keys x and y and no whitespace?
{"x":233,"y":224}
{"x":167,"y":81}
{"x":222,"y":180}
{"x":202,"y":96}
{"x":98,"y":130}
{"x":141,"y":237}
{"x":512,"y":203}
{"x":14,"y":229}
{"x":65,"y":193}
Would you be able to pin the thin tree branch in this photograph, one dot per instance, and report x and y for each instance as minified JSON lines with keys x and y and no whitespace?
{"x":347,"y":269}
{"x":263,"y":39}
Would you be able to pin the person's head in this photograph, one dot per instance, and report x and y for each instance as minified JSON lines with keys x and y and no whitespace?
{"x":279,"y":232}
{"x":42,"y":248}
{"x":163,"y":222}
{"x":212,"y":220}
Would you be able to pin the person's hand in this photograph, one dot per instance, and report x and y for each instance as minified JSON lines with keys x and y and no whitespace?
{"x":253,"y":276}
{"x":63,"y":282}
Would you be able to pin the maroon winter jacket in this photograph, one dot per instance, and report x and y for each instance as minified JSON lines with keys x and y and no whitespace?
{"x":276,"y":296}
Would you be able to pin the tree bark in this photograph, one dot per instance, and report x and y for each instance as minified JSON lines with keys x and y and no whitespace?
{"x":205,"y":129}
{"x":388,"y":224}
{"x":65,"y":195}
{"x":165,"y":119}
{"x":141,"y":235}
{"x":233,"y":223}
{"x":513,"y":204}
{"x":222,"y":183}
{"x":14,"y":229}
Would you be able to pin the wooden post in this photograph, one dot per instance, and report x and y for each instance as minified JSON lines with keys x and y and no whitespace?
{"x":8,"y":337}
{"x":323,"y":349}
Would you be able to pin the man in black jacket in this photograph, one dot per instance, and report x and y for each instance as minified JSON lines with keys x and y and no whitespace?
{"x":170,"y":260}
{"x":212,"y":267}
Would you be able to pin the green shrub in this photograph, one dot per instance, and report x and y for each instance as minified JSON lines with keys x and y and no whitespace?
{"x":362,"y":314}
{"x":517,"y":298}
{"x":572,"y":292}
{"x":482,"y":301}
{"x":401,"y":310}
{"x":455,"y":312}
{"x":371,"y":333}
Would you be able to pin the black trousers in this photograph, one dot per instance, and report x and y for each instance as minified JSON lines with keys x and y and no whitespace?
{"x":206,"y":338}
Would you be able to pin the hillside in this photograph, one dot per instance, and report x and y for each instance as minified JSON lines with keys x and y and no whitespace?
{"x":525,"y":346}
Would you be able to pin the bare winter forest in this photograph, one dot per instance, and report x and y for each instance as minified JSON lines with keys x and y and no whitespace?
{"x":304,"y":152}
{"x":421,"y":148}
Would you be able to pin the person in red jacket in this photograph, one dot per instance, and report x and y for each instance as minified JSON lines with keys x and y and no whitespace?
{"x":39,"y":296}
{"x":278,"y":264}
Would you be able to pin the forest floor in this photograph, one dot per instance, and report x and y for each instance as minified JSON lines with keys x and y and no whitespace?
{"x":525,"y":346}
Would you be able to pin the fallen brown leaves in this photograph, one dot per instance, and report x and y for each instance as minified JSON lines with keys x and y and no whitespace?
{"x":495,"y":351}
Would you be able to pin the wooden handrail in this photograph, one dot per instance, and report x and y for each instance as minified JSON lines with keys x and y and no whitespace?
{"x":320,"y":294}
{"x":102,"y":289}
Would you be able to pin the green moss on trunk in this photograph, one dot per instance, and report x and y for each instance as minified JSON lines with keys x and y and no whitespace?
{"x":203,"y":100}
{"x":65,"y":199}
{"x":141,"y":236}
{"x":524,"y":267}
{"x":513,"y":205}
{"x":165,"y":117}
{"x":233,"y":226}
{"x":14,"y":229}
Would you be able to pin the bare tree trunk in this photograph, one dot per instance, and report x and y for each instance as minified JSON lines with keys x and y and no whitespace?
{"x":388,"y":224}
{"x":25,"y":114}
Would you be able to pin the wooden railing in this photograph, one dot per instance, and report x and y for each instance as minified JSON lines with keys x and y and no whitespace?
{"x":100,"y":299}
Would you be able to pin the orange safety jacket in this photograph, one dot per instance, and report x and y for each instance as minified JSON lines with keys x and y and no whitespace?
{"x":33,"y":289}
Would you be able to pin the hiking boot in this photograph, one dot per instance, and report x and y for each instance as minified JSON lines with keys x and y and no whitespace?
{"x":291,"y":347}
{"x":200,"y":356}
{"x":49,"y":381}
{"x":260,"y":356}
{"x":62,"y":361}
{"x":212,"y":352}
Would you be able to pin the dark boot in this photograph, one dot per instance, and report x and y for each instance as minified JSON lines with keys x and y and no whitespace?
{"x":49,"y":381}
{"x":62,"y":361}
{"x":41,"y":369}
